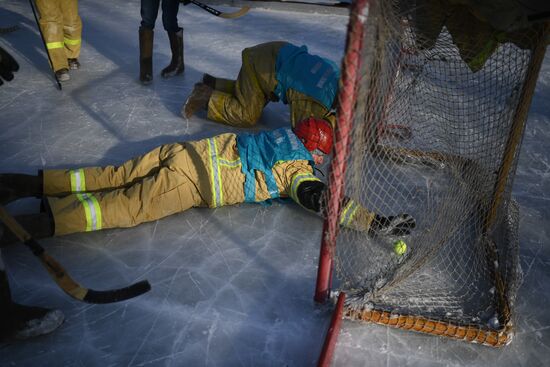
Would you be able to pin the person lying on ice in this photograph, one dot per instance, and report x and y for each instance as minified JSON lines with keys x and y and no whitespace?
{"x":270,"y":72}
{"x":223,"y":170}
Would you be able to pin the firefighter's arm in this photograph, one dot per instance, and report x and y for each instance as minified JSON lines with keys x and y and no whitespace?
{"x":308,"y":191}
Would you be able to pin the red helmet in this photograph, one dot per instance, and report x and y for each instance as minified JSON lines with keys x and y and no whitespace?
{"x":315,"y":134}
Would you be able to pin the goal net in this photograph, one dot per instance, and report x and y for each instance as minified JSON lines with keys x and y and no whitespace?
{"x":432,"y":107}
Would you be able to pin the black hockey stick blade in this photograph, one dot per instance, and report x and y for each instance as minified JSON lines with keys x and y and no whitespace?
{"x":75,"y":290}
{"x":232,"y":15}
{"x":60,"y":276}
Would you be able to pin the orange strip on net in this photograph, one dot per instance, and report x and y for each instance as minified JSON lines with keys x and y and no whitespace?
{"x":473,"y":334}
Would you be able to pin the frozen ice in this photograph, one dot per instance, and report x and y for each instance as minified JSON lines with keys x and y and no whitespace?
{"x":232,"y":286}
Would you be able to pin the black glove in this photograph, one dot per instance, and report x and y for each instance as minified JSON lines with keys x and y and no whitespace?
{"x":310,"y":193}
{"x":398,"y":225}
{"x":8,"y":66}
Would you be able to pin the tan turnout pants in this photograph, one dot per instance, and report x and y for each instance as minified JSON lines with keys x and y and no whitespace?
{"x":240,"y":102}
{"x":62,"y":29}
{"x":146,"y":188}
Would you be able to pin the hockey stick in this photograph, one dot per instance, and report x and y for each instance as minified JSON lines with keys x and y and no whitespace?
{"x":60,"y":276}
{"x":44,"y":43}
{"x":236,"y":14}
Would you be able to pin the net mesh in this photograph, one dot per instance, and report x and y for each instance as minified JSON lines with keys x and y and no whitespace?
{"x":436,"y":130}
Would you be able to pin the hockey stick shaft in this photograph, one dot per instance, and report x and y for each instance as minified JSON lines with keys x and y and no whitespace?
{"x":239,"y":13}
{"x":44,"y":43}
{"x":60,"y":276}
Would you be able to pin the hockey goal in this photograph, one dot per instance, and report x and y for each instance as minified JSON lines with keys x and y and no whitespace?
{"x":430,"y":124}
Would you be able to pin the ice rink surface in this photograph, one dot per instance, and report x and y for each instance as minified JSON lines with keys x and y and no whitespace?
{"x":232,"y":286}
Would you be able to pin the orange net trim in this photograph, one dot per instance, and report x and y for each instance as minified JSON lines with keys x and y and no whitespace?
{"x":470,"y":333}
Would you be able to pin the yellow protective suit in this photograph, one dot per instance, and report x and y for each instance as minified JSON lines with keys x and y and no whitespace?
{"x":170,"y":179}
{"x":62,"y":29}
{"x":241,"y":102}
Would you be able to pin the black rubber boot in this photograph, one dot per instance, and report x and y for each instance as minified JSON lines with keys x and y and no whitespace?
{"x":219,"y":84}
{"x":15,"y":186}
{"x":39,"y":226}
{"x":209,"y":80}
{"x":24,"y":322}
{"x":74,"y":64}
{"x":177,"y":65}
{"x":145,"y":55}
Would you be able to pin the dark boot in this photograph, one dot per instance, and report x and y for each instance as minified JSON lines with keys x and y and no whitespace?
{"x":15,"y":186}
{"x":219,"y":84}
{"x":197,"y":100}
{"x":177,"y":65}
{"x":74,"y":64}
{"x":23,"y":322}
{"x":39,"y":226}
{"x":145,"y":55}
{"x":209,"y":80}
{"x":63,"y":75}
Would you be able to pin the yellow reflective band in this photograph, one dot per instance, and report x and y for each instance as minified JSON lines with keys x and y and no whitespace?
{"x":78,"y":180}
{"x":92,"y":211}
{"x":72,"y":42}
{"x":215,"y":172}
{"x":219,"y":174}
{"x":54,"y":45}
{"x":230,"y":164}
{"x":296,"y":181}
{"x":348,"y":213}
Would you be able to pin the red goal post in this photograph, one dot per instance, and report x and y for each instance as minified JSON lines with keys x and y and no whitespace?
{"x":430,"y":125}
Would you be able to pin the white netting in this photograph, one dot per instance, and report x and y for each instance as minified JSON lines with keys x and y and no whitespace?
{"x":436,"y":132}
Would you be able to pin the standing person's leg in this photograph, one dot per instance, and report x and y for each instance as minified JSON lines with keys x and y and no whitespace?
{"x":72,"y":29}
{"x":23,"y":322}
{"x":175,"y":36}
{"x":51,"y":23}
{"x":149,"y":11}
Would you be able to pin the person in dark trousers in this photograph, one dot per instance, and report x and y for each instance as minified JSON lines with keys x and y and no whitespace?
{"x":19,"y":321}
{"x":226,"y":169}
{"x":149,"y":12}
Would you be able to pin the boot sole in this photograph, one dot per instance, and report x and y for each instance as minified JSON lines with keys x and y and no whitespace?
{"x":172,"y":73}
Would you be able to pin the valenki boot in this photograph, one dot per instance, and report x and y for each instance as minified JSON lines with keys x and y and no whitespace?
{"x":177,"y":65}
